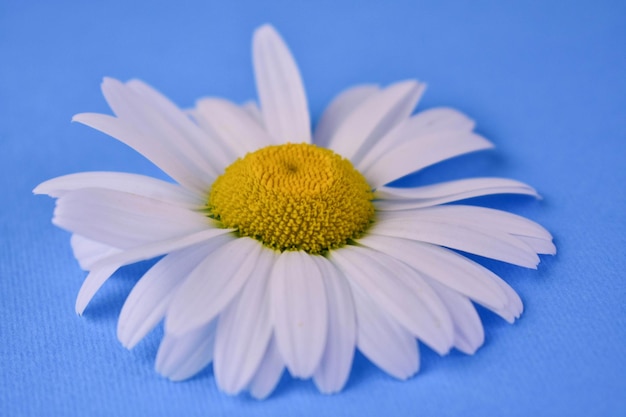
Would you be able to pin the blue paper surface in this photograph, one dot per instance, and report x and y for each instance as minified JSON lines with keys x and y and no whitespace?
{"x":545,"y":82}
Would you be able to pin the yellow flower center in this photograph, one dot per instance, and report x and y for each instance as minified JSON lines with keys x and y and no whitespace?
{"x":293,"y":197}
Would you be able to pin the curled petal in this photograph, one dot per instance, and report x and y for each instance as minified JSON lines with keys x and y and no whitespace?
{"x":391,"y":198}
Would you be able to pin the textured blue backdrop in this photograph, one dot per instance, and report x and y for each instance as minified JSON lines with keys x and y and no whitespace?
{"x":544,"y":80}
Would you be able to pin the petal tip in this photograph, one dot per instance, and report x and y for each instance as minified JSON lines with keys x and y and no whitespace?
{"x":125,"y":338}
{"x":266,"y":30}
{"x":510,"y":319}
{"x":109,"y":83}
{"x":39,"y":189}
{"x":80,"y":309}
{"x":109,"y":80}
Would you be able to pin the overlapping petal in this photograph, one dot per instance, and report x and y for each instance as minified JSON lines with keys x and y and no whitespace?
{"x":124,"y":220}
{"x":101,"y":270}
{"x":468,"y":329}
{"x":182,"y":356}
{"x":452,"y":270}
{"x":269,"y":373}
{"x":212,"y":285}
{"x":373,"y":118}
{"x":244,"y":330}
{"x":88,"y":252}
{"x":420,"y":153}
{"x":385,"y":342}
{"x":236,"y":129}
{"x":339,"y":109}
{"x":147,"y":303}
{"x":422,"y":124}
{"x":403,"y":294}
{"x":488,"y":243}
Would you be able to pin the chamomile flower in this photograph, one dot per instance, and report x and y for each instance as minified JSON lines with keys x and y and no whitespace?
{"x":286,"y":249}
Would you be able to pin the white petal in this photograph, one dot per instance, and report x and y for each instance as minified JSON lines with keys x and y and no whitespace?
{"x":442,"y":118}
{"x":390,"y":198}
{"x":476,"y":217}
{"x":515,"y":306}
{"x":450,"y":269}
{"x":88,"y":251}
{"x":374,"y":118}
{"x":180,"y":129}
{"x":400,"y":291}
{"x":422,"y":152}
{"x":340,"y":108}
{"x":181,"y":357}
{"x":334,"y":369}
{"x":154,"y":249}
{"x":487,"y":243}
{"x":93,"y":282}
{"x":104,"y":268}
{"x":124,"y":220}
{"x":268,"y":374}
{"x":171,"y":161}
{"x":232,"y":125}
{"x":212,"y":285}
{"x":254,"y":112}
{"x":119,"y":181}
{"x":244,"y":330}
{"x":469,"y":334}
{"x":146,"y":304}
{"x":299,"y":312}
{"x":442,"y":265}
{"x":482,"y":219}
{"x":280,"y":88}
{"x":540,"y":246}
{"x":387,"y":344}
{"x":165,"y":124}
{"x":424,"y":123}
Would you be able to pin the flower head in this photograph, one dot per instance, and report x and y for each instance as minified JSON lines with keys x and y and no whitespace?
{"x":287,"y":250}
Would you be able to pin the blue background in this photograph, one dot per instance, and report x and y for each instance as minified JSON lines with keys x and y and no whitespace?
{"x":546,"y":82}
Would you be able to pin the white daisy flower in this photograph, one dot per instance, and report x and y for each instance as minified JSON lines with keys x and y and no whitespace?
{"x":285,"y":249}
